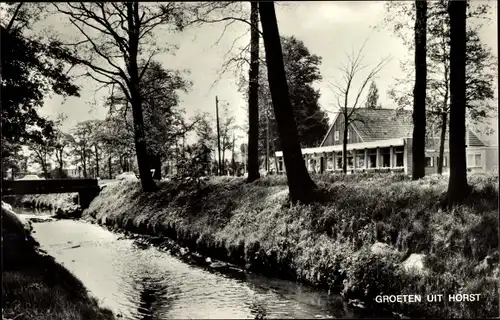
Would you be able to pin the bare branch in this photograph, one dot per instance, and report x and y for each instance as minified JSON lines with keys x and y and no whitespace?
{"x":368,"y":78}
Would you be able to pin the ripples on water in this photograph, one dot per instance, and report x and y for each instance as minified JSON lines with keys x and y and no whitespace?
{"x":150,"y":284}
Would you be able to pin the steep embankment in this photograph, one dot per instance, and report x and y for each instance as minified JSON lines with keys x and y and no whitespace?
{"x":35,"y":286}
{"x":377,"y":235}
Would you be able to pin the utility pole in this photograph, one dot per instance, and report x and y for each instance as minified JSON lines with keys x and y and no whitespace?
{"x":96,"y":160}
{"x":267,"y":141}
{"x":218,"y":133}
{"x":110,"y":168}
{"x":233,"y":163}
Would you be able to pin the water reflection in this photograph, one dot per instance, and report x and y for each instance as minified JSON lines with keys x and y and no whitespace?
{"x":150,"y":284}
{"x":151,"y":294}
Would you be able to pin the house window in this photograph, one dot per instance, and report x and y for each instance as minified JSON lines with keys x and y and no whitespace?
{"x":329,"y":162}
{"x":312,"y":165}
{"x":348,"y":134}
{"x":429,"y":162}
{"x":339,"y":161}
{"x":399,"y":156}
{"x":474,"y":160}
{"x":478,"y":160}
{"x":337,"y":135}
{"x":360,"y":159}
{"x":385,"y":157}
{"x":445,"y":161}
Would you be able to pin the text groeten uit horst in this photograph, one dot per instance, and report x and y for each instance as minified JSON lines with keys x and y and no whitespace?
{"x":412,"y":298}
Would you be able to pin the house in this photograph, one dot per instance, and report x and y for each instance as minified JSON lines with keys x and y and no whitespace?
{"x":72,"y":171}
{"x":381,"y":140}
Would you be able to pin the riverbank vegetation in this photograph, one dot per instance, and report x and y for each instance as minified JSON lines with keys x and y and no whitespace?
{"x":63,"y":205}
{"x":36,"y":287}
{"x":377,"y":234}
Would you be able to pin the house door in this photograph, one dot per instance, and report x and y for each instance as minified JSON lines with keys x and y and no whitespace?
{"x":322,"y":164}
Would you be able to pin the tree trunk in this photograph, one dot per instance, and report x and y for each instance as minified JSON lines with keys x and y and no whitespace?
{"x":444,"y":120}
{"x":110,"y":169}
{"x":233,"y":163}
{"x":219,"y":167}
{"x":157,"y":166}
{"x":96,"y":161}
{"x":457,"y":187}
{"x":445,"y":109}
{"x":223,"y":162}
{"x":61,"y":162}
{"x":344,"y":143}
{"x":44,"y":168}
{"x":301,"y":187}
{"x":253,"y":97}
{"x":136,"y":99}
{"x":84,"y":164}
{"x":122,"y":164}
{"x":419,"y":91}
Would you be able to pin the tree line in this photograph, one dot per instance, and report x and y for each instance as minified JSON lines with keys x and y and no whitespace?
{"x":116,"y":47}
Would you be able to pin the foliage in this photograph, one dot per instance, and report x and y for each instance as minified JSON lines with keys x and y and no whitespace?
{"x":41,"y":152}
{"x":302,"y":69}
{"x":204,"y":147}
{"x":10,"y":156}
{"x":121,"y":56}
{"x":480,"y":65}
{"x":31,"y":70}
{"x":163,"y":120}
{"x":227,"y":132}
{"x":372,"y":97}
{"x":82,"y":143}
{"x":61,"y":143}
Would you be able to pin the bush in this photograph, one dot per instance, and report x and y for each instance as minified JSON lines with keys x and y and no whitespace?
{"x":369,"y":275}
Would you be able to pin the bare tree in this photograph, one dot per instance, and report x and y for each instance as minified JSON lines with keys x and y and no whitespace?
{"x":351,"y":71}
{"x":419,"y":91}
{"x":302,"y":188}
{"x":230,"y":13}
{"x":457,"y":187}
{"x":116,"y":47}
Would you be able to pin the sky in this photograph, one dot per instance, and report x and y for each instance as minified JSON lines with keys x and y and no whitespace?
{"x":329,"y":29}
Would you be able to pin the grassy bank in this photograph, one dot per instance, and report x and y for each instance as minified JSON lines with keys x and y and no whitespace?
{"x":331,"y":245}
{"x":36,"y":287}
{"x":64,"y":205}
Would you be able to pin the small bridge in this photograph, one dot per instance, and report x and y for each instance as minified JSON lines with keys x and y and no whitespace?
{"x":87,"y":189}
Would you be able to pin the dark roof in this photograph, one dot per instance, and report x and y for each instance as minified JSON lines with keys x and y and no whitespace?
{"x":381,"y":124}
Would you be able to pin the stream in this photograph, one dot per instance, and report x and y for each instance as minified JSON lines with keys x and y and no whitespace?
{"x":141,"y":283}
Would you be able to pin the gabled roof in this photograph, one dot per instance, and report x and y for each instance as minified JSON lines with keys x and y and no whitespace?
{"x":474,"y":140}
{"x":382,"y":124}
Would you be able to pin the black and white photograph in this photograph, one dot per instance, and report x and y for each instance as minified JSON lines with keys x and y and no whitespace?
{"x":250,"y":160}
